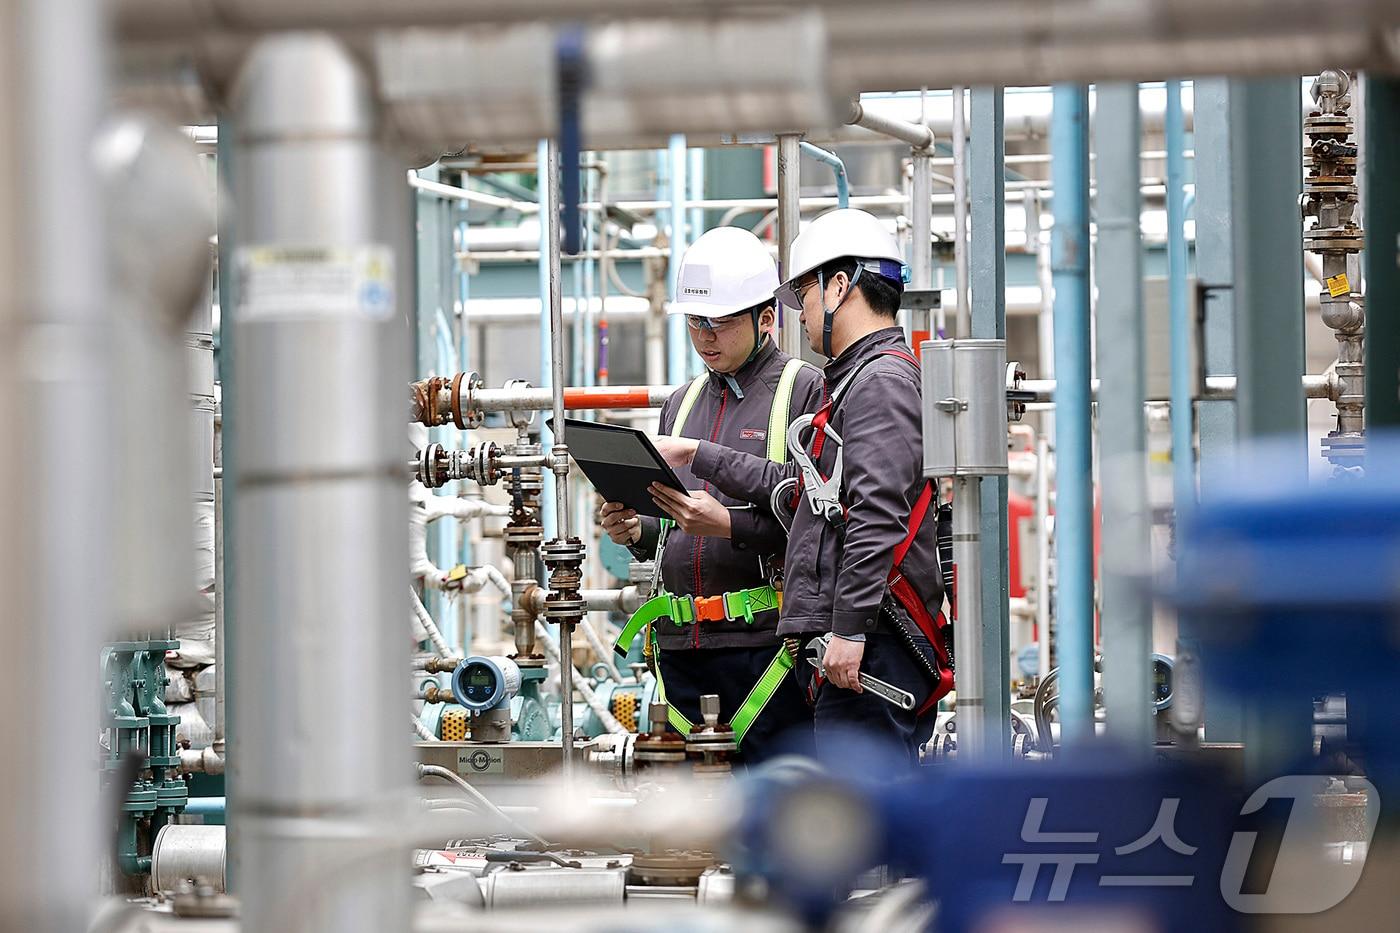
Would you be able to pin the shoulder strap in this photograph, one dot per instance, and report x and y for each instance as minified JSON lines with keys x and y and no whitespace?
{"x":697,"y":385}
{"x":782,"y":408}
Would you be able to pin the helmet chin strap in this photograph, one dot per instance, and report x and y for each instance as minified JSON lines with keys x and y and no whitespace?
{"x":758,"y":341}
{"x":829,"y":314}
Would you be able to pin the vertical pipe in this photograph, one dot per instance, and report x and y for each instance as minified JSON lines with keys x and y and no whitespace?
{"x":53,"y":362}
{"x":549,"y":165}
{"x":695,"y":182}
{"x":549,"y":233}
{"x":1215,"y":276}
{"x":1266,"y":127}
{"x":1042,"y":556}
{"x":975,"y":733}
{"x":789,"y":219}
{"x":1127,"y":616}
{"x":1074,"y":500}
{"x":920,"y":235}
{"x":677,"y":341}
{"x":1382,"y":254}
{"x":960,"y":320}
{"x":987,"y":264}
{"x":316,"y":780}
{"x":1179,"y":308}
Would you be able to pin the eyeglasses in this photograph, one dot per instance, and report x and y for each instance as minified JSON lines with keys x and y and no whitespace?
{"x":698,"y":323}
{"x":791,"y":294}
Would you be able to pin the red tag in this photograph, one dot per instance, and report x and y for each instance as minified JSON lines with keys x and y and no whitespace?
{"x":753,"y":434}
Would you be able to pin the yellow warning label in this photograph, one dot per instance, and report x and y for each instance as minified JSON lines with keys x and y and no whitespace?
{"x":1337,"y":285}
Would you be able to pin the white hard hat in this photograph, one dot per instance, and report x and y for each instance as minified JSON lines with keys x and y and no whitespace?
{"x":725,"y":271}
{"x":846,"y":231}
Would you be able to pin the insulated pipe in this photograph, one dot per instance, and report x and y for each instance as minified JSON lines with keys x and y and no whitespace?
{"x":838,"y":168}
{"x":1074,"y":502}
{"x":790,"y":337}
{"x":677,"y":341}
{"x":318,"y":785}
{"x":915,"y":134}
{"x":967,"y":557}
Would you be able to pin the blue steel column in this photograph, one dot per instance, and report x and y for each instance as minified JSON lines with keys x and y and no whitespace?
{"x":1182,"y":408}
{"x":1266,"y":124}
{"x":987,"y":267}
{"x":1215,"y":276}
{"x":1127,"y":607}
{"x":1074,"y":499}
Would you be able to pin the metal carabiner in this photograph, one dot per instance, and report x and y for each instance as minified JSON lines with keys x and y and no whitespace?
{"x":823,"y":495}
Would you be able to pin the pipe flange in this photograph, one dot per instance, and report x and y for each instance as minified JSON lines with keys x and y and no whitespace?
{"x":523,"y":536}
{"x":484,"y":460}
{"x":433,"y":466}
{"x":1340,"y":239}
{"x":669,"y":869}
{"x":473,"y":416}
{"x":564,"y":551}
{"x":520,"y":419}
{"x":1015,"y":376}
{"x":707,"y":741}
{"x":564,"y":610}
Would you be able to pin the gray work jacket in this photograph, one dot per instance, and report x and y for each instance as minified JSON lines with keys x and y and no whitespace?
{"x":835,"y":580}
{"x":706,"y":566}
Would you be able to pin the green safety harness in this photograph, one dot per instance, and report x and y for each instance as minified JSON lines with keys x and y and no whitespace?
{"x":733,"y":606}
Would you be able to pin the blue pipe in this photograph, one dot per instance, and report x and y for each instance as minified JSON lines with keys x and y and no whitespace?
{"x":1074,"y":501}
{"x":1182,"y":408}
{"x":843,"y":187}
{"x":205,"y":807}
{"x":546,"y":435}
{"x":677,"y":341}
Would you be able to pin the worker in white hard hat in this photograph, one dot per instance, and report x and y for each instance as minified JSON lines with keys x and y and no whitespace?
{"x":862,"y":563}
{"x":713,"y":629}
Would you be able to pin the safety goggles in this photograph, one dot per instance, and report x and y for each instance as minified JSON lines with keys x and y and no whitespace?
{"x":790,"y":294}
{"x":697,"y":323}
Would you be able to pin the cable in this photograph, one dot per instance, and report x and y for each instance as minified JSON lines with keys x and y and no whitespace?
{"x":479,"y":797}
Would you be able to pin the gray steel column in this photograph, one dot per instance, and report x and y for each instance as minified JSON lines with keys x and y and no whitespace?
{"x":1382,"y":256}
{"x":1266,"y":123}
{"x":320,"y":513}
{"x":791,"y":339}
{"x":1266,"y":128}
{"x":921,"y":233}
{"x":56,"y":546}
{"x":1127,"y":607}
{"x":1215,"y":275}
{"x":987,"y":267}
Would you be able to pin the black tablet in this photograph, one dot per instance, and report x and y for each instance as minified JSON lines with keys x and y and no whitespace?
{"x":620,"y":462}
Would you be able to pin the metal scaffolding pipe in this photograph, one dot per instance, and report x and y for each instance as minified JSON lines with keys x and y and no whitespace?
{"x":314,"y":784}
{"x":959,"y":163}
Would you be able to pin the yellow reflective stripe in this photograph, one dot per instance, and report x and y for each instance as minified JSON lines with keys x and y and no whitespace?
{"x":697,"y":385}
{"x":782,"y":407}
{"x":673,"y":715}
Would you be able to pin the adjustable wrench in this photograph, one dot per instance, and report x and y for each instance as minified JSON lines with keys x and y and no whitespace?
{"x":887,"y":692}
{"x":823,"y":495}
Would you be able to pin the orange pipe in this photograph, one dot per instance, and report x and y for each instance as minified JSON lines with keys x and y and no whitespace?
{"x":610,"y":397}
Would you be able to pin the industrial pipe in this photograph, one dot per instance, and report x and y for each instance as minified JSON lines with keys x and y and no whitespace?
{"x":791,"y":338}
{"x":314,"y":779}
{"x":915,"y":134}
{"x":843,"y":185}
{"x":1217,"y":388}
{"x":443,"y":400}
{"x":1074,"y":503}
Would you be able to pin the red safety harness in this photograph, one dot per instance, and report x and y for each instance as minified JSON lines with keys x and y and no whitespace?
{"x":934,"y":627}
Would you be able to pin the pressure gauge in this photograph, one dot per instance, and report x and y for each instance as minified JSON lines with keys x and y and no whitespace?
{"x":1162,"y":671}
{"x":482,"y":683}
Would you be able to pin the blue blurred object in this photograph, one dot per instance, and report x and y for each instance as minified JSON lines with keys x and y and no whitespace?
{"x":1069,"y":841}
{"x":1295,"y":590}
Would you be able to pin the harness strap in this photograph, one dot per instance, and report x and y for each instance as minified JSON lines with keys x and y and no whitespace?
{"x":782,"y":406}
{"x":692,"y":394}
{"x":683,"y":610}
{"x":749,"y":710}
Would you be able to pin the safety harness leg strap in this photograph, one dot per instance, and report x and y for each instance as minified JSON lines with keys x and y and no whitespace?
{"x":761,"y":693}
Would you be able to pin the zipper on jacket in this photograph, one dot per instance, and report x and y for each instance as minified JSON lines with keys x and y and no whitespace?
{"x":698,"y":546}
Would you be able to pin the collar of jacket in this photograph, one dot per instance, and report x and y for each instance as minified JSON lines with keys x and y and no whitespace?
{"x":745,"y":377}
{"x":862,"y":349}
